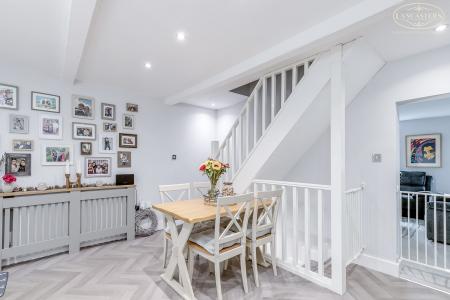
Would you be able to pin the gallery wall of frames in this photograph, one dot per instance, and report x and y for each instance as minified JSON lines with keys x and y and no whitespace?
{"x":103,"y":134}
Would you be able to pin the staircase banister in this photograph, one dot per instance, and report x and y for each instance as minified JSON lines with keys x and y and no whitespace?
{"x":294,"y":184}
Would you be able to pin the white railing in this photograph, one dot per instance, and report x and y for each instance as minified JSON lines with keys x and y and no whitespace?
{"x":424,"y":226}
{"x":262,"y":107}
{"x":303,"y":229}
{"x":353,"y":224}
{"x":41,"y":224}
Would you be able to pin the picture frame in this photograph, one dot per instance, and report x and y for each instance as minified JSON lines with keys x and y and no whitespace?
{"x":50,"y":127}
{"x":85,"y":148}
{"x":128,"y":121}
{"x":97,"y":167}
{"x":22,"y":145}
{"x":108,"y":111}
{"x":107,"y":143}
{"x":127,"y":140}
{"x":423,"y":151}
{"x":84,"y":131}
{"x":109,"y":127}
{"x":19,"y":124}
{"x":124,"y":159}
{"x":83,"y":107}
{"x":18,"y":164}
{"x":45,"y":102}
{"x":132,"y":107}
{"x":56,"y":155}
{"x":9,"y":96}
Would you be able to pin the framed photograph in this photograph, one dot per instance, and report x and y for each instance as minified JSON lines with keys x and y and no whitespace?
{"x":109,"y":127}
{"x":423,"y":151}
{"x":56,"y":155}
{"x":84,"y":131}
{"x":107,"y":143}
{"x":45,"y":102}
{"x":9,"y":96}
{"x":86,"y":148}
{"x":22,"y":145}
{"x":18,"y":164}
{"x":132,"y":107}
{"x":19,"y":124}
{"x":50,"y":127}
{"x":124,"y":159}
{"x":128,"y":121}
{"x":127,"y":140}
{"x":97,"y":167}
{"x":83,"y":107}
{"x":108,"y":111}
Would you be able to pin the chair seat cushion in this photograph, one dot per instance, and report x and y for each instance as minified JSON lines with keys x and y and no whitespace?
{"x":205,"y":239}
{"x":259,"y":233}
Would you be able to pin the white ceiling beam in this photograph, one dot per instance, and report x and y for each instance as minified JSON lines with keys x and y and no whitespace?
{"x":81,"y":14}
{"x":288,"y":48}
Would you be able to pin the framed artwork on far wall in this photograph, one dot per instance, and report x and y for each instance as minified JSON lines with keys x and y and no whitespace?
{"x":123,"y":159}
{"x":45,"y":102}
{"x":108,"y":112}
{"x":97,"y":167}
{"x":22,"y":145}
{"x":132,"y":107}
{"x":127,"y":140}
{"x":19,"y":124}
{"x":86,"y":148}
{"x":83,"y":107}
{"x":107,"y":143}
{"x":56,"y":155}
{"x":18,"y":164}
{"x":84,"y":131}
{"x":109,"y":127}
{"x":50,"y":127}
{"x":128,"y":121}
{"x":9,"y":96}
{"x":423,"y":151}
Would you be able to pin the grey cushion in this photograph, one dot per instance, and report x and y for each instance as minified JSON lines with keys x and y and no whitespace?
{"x":205,"y":239}
{"x":259,"y":233}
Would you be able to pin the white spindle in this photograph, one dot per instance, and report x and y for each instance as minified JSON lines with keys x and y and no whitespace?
{"x":234,"y":152}
{"x":247,"y":130}
{"x":273,"y":97}
{"x":307,"y":229}
{"x":445,"y":231}
{"x":294,"y":78}
{"x":435,"y":231}
{"x":417,"y":226}
{"x":255,"y":117}
{"x":264,"y":104}
{"x":295,"y":224}
{"x":284,"y":226}
{"x":409,"y":235}
{"x":424,"y":232}
{"x":283,"y":88}
{"x":320,"y":231}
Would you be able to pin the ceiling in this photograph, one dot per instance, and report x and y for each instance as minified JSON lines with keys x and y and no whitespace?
{"x":107,"y":42}
{"x":434,"y":107}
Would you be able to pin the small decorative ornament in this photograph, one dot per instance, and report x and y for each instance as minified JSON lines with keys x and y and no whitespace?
{"x":42,"y":186}
{"x":227,"y":189}
{"x":213,"y":169}
{"x":9,"y":183}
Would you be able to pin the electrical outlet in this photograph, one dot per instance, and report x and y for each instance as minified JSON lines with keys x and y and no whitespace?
{"x":376,"y":157}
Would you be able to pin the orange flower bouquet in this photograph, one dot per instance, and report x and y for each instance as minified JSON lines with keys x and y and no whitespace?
{"x":213,"y":169}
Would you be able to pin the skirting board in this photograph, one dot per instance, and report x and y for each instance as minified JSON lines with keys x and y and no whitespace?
{"x":379,"y":264}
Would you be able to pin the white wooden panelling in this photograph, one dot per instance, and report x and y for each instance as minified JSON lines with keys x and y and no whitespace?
{"x":40,"y":225}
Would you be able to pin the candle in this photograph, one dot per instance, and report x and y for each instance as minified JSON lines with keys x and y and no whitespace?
{"x":67,"y":167}
{"x":78,"y":167}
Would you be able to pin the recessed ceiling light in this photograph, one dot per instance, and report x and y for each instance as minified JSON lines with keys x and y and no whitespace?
{"x":213,"y":105}
{"x":148,"y":65}
{"x":441,"y":28}
{"x":181,"y":36}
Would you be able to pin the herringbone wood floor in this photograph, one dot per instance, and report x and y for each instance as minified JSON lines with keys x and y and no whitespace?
{"x":130,"y":270}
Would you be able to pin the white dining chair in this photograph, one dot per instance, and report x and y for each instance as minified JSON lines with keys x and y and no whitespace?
{"x":262,"y":228}
{"x":170,"y":193}
{"x":200,"y":188}
{"x":220,"y":244}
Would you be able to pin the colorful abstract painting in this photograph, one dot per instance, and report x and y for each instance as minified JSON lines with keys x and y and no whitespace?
{"x":423,"y":150}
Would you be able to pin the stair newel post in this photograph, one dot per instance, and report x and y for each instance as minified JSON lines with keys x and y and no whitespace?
{"x":337,"y":125}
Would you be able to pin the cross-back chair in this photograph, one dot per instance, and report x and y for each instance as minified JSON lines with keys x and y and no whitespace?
{"x":221,"y":243}
{"x":171,"y":193}
{"x":262,"y":229}
{"x":200,"y":188}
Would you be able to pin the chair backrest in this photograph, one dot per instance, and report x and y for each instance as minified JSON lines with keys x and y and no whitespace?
{"x":232,"y":208}
{"x":175,"y":192}
{"x":265,"y":211}
{"x":200,"y":188}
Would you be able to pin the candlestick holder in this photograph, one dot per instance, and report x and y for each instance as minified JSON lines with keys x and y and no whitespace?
{"x":78,"y":180}
{"x":68,"y":184}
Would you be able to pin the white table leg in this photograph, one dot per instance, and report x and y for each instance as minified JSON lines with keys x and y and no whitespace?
{"x":179,"y":241}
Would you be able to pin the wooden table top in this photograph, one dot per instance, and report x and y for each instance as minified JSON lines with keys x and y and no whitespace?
{"x":191,"y":211}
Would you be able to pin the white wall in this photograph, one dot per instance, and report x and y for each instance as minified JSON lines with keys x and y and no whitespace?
{"x":162,"y":131}
{"x":441,"y":176}
{"x":372,"y":127}
{"x":226,"y":118}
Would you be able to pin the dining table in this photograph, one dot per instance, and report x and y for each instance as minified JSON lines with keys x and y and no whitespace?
{"x":190,"y":212}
